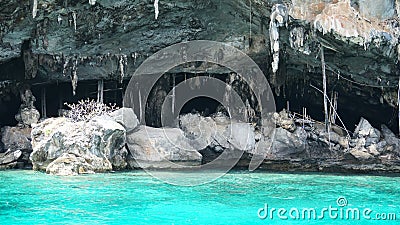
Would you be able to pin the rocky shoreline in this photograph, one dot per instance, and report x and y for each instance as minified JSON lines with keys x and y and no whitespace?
{"x":117,"y":141}
{"x":62,"y":51}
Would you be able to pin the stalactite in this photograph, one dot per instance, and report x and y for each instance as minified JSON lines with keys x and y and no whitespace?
{"x":74,"y":76}
{"x":123,"y":61}
{"x":65,"y":65}
{"x":156,"y":12}
{"x":134,"y":57}
{"x":34,"y":8}
{"x":74,"y":19}
{"x":278,"y":18}
{"x":59,"y":19}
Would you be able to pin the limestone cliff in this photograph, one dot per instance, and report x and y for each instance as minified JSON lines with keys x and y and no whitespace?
{"x":50,"y":42}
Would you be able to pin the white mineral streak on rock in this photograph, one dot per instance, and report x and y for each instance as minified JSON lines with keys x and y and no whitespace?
{"x":34,"y":9}
{"x":278,"y":19}
{"x":74,"y":18}
{"x":342,"y":19}
{"x":156,"y":12}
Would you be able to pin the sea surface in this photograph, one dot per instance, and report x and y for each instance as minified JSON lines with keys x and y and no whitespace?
{"x":239,"y":197}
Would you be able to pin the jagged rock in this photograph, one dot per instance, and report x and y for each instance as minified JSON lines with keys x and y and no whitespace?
{"x":9,"y":159}
{"x":241,"y":136}
{"x":29,"y":116}
{"x":389,"y":136}
{"x":287,"y":144}
{"x":98,"y":141}
{"x":69,"y":164}
{"x":126,"y":117}
{"x":161,"y":148}
{"x":200,"y":131}
{"x":330,"y":137}
{"x":361,"y":154}
{"x":373,"y":150}
{"x":333,"y":137}
{"x":217,"y":132}
{"x":365,"y":129}
{"x":16,"y":138}
{"x":340,"y":131}
{"x":343,"y":142}
{"x":118,"y":158}
{"x":382,"y":9}
{"x":282,"y":119}
{"x":2,"y":148}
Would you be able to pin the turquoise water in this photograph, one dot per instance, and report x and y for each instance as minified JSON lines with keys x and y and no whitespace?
{"x":28,"y":197}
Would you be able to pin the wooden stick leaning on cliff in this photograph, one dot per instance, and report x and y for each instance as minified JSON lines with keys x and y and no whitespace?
{"x":398,"y":103}
{"x":324,"y":88}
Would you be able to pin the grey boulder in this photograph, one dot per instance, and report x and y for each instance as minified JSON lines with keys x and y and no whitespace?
{"x":365,"y":130}
{"x":161,"y":148}
{"x":287,"y":144}
{"x":69,"y":164}
{"x":98,"y":141}
{"x":18,"y":139}
{"x":126,"y":117}
{"x":9,"y":159}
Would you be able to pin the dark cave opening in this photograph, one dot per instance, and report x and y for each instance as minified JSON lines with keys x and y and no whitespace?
{"x":204,"y":105}
{"x":59,"y":93}
{"x":350,"y":109}
{"x":56,"y":94}
{"x":161,"y":93}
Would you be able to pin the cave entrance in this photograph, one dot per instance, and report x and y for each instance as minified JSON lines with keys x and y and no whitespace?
{"x":162,"y":92}
{"x":204,"y":105}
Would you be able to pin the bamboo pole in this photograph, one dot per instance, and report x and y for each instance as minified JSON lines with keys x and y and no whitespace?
{"x":250,"y":41}
{"x":140,"y":108}
{"x":398,"y":103}
{"x":324,"y":89}
{"x":100,"y":90}
{"x":43,"y":102}
{"x":333,"y":114}
{"x":173,"y":95}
